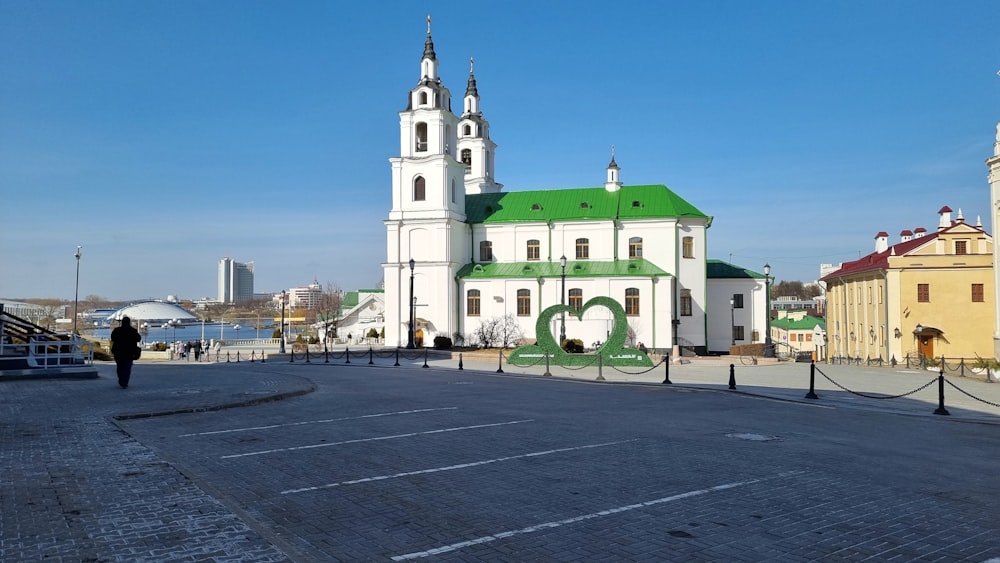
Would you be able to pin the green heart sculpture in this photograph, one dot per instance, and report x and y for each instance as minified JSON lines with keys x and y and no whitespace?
{"x":613,"y":352}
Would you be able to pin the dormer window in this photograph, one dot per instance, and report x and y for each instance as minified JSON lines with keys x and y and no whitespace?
{"x":584,"y":205}
{"x":536,"y":207}
{"x":636,"y":204}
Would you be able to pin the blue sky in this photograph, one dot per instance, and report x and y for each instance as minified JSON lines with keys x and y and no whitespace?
{"x":163,"y":136}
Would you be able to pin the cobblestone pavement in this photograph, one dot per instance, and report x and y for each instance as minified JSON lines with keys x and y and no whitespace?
{"x":377,"y":463}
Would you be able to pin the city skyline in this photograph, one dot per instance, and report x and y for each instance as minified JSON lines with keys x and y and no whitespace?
{"x":164,"y":137}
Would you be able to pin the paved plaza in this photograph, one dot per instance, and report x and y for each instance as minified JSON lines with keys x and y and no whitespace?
{"x":325,"y":461}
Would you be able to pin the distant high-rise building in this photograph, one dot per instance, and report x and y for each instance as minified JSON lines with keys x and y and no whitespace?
{"x":235,"y":281}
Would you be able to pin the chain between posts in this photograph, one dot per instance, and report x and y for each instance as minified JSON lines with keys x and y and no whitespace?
{"x":918,"y":389}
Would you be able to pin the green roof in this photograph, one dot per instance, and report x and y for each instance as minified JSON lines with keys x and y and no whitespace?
{"x":350,"y":300}
{"x":579,"y":204}
{"x":805,"y":323}
{"x":582,"y":269}
{"x":717,"y":269}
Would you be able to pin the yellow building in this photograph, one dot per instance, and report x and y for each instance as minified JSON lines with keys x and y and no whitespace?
{"x":930,"y":294}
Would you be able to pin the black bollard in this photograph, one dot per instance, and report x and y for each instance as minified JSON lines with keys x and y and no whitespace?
{"x":812,"y":381}
{"x":347,"y":353}
{"x":253,"y":356}
{"x":326,"y":356}
{"x":460,"y":368}
{"x":732,"y":377}
{"x":500,"y":361}
{"x":941,"y":410}
{"x":547,"y":372}
{"x":227,"y":356}
{"x":666,"y":370}
{"x":307,"y":354}
{"x":237,"y":356}
{"x":600,"y":367}
{"x":397,"y":358}
{"x":371,"y":355}
{"x":425,"y":359}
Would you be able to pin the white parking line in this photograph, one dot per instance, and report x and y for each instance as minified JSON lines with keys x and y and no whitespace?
{"x":453,"y":467}
{"x":394,"y":436}
{"x":575,"y":519}
{"x":316,"y":421}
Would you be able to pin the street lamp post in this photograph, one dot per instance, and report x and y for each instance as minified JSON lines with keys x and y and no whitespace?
{"x":173,"y":323}
{"x":144,"y":328}
{"x":164,"y":326}
{"x":76,"y":294}
{"x":237,"y":329}
{"x":413,"y":315}
{"x":768,"y":345}
{"x":281,"y":343}
{"x":562,"y":301}
{"x":732,"y":321}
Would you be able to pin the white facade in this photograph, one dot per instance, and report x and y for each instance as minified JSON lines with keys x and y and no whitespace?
{"x":235,"y":281}
{"x":751,"y":316}
{"x":446,"y":206}
{"x":994,"y":177}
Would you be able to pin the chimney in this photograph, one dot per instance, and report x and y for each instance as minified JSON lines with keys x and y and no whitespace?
{"x":919,"y":232}
{"x":881,"y":241}
{"x":945,"y":218}
{"x":906,"y":235}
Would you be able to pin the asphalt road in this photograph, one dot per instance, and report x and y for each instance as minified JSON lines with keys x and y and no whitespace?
{"x":360,"y":463}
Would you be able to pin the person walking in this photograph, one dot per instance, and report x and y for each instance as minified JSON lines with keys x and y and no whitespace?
{"x":124,"y":345}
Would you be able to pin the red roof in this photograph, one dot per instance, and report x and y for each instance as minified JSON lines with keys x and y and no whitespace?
{"x":906,"y":233}
{"x":920,"y":230}
{"x":878,"y":260}
{"x":882,"y":234}
{"x":945,"y":209}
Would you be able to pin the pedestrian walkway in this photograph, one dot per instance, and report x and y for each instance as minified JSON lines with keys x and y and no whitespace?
{"x":75,"y":487}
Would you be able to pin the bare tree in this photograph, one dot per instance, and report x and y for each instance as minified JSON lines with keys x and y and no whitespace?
{"x":498,"y":331}
{"x":328,"y":309}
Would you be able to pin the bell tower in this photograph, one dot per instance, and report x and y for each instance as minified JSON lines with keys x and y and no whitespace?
{"x":476,"y":149}
{"x":426,"y":223}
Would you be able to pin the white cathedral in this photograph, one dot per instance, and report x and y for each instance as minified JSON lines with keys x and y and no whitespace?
{"x":481,"y":253}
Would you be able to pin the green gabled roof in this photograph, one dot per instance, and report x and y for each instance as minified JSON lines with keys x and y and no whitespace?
{"x":371,"y":291}
{"x":581,"y":269}
{"x":717,"y":269}
{"x":805,"y":323}
{"x":350,"y":300}
{"x":629,"y":202}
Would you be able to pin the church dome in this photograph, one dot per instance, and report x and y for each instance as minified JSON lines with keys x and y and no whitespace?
{"x":153,"y":312}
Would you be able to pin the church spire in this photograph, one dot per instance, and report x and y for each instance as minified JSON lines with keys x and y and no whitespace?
{"x":614,"y":181}
{"x":429,"y":43}
{"x":470,"y":89}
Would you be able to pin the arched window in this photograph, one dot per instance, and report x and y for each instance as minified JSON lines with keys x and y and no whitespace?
{"x":421,"y":137}
{"x":632,"y":302}
{"x":582,"y":248}
{"x":534,"y":250}
{"x":687,"y":247}
{"x":467,"y":160}
{"x":485,"y":251}
{"x":472,"y":303}
{"x":576,"y":299}
{"x":453,"y":191}
{"x":635,"y":247}
{"x":423,"y":98}
{"x":419,"y":189}
{"x":524,"y":302}
{"x":467,"y":131}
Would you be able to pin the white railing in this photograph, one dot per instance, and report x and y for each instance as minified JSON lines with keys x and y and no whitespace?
{"x":50,"y":353}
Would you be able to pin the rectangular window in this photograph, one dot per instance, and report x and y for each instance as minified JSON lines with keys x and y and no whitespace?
{"x":534,"y":250}
{"x":472,"y":304}
{"x":485,"y":251}
{"x":923,"y":293}
{"x":809,"y":337}
{"x":582,"y":249}
{"x":977,"y":293}
{"x":635,"y":247}
{"x":576,"y":299}
{"x":686,"y":303}
{"x":737,"y":301}
{"x":632,"y":302}
{"x":524,"y":302}
{"x":738,"y":333}
{"x":687,"y":247}
{"x":961,"y":247}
